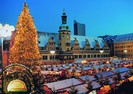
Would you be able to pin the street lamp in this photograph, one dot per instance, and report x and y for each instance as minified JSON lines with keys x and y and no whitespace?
{"x":125,"y":51}
{"x":101,"y":51}
{"x":5,"y":32}
{"x":52,"y":53}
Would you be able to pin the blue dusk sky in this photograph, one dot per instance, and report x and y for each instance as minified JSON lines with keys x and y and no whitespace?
{"x":101,"y":17}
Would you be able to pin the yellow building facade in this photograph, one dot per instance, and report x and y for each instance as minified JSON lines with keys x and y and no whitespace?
{"x":123,"y":46}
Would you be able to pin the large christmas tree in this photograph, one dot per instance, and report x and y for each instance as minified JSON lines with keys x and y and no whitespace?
{"x":25,"y":48}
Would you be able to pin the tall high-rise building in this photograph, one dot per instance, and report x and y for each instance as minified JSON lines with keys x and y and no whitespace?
{"x":79,"y":28}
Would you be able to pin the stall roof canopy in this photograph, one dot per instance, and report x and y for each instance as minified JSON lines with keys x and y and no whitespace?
{"x":87,"y":77}
{"x":123,"y":69}
{"x":60,"y":85}
{"x":95,"y":85}
{"x":81,"y":89}
{"x":104,"y":74}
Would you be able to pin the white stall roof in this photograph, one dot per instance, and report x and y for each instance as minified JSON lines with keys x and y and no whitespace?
{"x":105,"y":74}
{"x":81,"y":89}
{"x":95,"y":85}
{"x":59,"y":85}
{"x":87,"y":77}
{"x":80,"y":61}
{"x":123,"y":69}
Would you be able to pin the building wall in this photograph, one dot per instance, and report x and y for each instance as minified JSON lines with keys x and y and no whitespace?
{"x":110,"y":43}
{"x":5,"y":58}
{"x":73,"y":55}
{"x":119,"y":48}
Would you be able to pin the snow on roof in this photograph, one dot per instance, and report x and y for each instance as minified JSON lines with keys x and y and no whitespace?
{"x":104,"y":74}
{"x":87,"y":68}
{"x":80,"y":61}
{"x":111,"y":80}
{"x":63,"y":84}
{"x":114,"y":61}
{"x":43,"y":38}
{"x":120,"y":70}
{"x":81,"y":89}
{"x":95,"y":85}
{"x":81,"y":40}
{"x":123,"y":75}
{"x":99,"y":66}
{"x":87,"y":77}
{"x":124,"y":37}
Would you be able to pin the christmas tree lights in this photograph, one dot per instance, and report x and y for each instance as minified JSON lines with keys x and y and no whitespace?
{"x":25,"y":48}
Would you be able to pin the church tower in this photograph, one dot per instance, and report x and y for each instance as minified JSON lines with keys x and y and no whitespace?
{"x":64,"y":34}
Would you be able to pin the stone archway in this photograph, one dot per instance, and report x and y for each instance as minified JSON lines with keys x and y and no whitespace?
{"x":19,"y":74}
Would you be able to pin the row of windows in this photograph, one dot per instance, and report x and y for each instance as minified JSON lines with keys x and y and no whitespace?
{"x":45,"y":57}
{"x":87,"y":45}
{"x":48,"y":48}
{"x":124,"y":47}
{"x":122,"y":50}
{"x":130,"y":55}
{"x":76,"y":45}
{"x":51,"y":43}
{"x":87,"y":49}
{"x":124,"y":43}
{"x":64,"y":32}
{"x":76,"y":48}
{"x":125,"y":55}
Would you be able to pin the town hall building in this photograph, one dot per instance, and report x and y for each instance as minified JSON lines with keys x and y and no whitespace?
{"x":64,"y":46}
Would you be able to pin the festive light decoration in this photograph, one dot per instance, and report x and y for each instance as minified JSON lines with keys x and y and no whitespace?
{"x":16,"y":86}
{"x":6,"y":30}
{"x":25,"y":48}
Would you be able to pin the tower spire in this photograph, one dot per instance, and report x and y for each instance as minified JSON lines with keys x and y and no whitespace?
{"x":64,"y":33}
{"x":64,"y":17}
{"x":64,"y":25}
